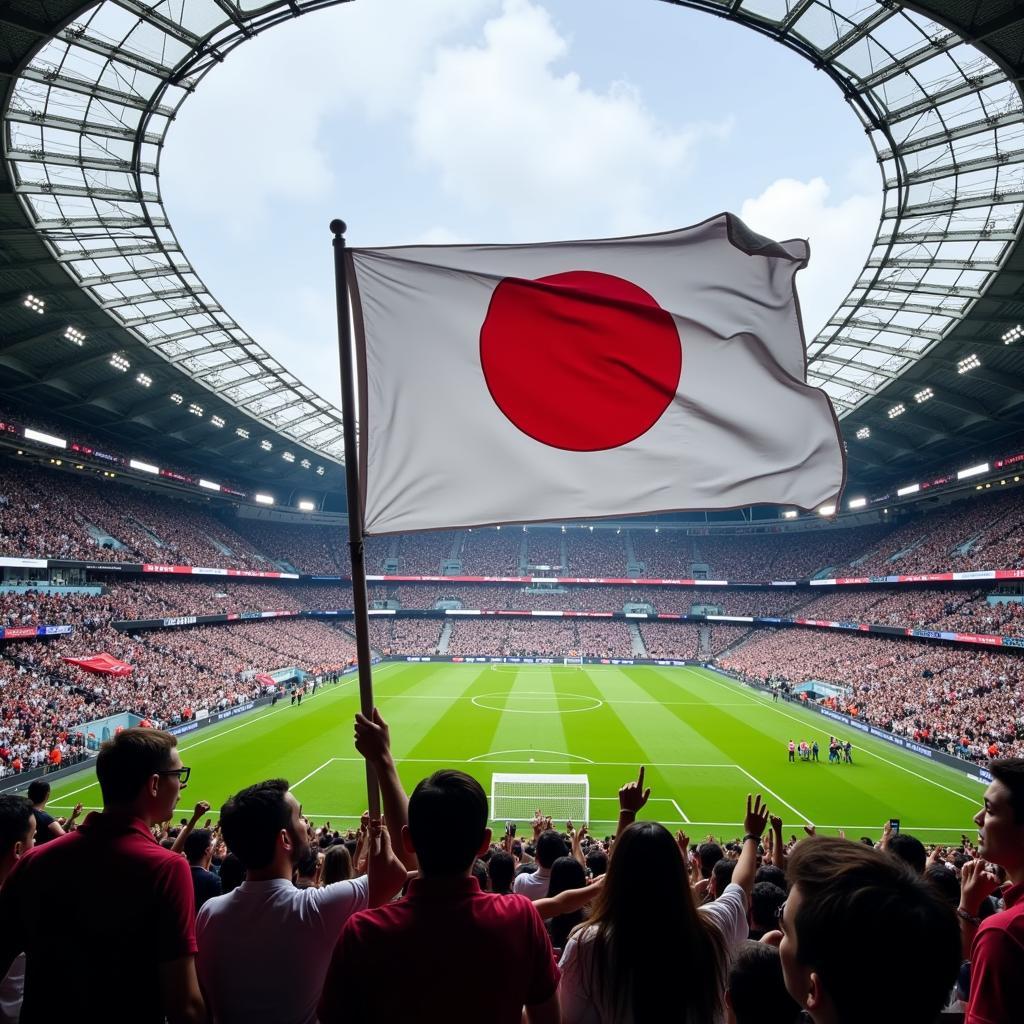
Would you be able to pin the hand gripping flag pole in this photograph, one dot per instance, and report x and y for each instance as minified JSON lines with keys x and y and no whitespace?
{"x":355,"y":510}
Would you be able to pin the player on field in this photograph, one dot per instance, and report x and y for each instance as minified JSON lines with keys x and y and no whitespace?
{"x":792,"y":752}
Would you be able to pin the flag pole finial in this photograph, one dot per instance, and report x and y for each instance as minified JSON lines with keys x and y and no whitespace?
{"x":338,"y":227}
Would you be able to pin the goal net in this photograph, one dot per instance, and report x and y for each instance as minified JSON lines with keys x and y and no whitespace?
{"x":572,"y":661}
{"x":517,"y":797}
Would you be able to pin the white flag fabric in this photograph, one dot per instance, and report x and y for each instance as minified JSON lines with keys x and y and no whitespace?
{"x":526,"y":383}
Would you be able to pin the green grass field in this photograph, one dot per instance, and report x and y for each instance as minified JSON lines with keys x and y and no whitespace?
{"x":706,"y":742}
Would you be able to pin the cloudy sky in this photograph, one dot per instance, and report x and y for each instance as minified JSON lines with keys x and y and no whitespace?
{"x":501,"y":120}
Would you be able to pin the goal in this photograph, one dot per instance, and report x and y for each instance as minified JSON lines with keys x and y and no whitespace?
{"x":516,"y":797}
{"x":578,"y":662}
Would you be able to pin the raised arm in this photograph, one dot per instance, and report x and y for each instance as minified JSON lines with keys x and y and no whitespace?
{"x":778,"y":846}
{"x":632,"y":798}
{"x":569,"y":901}
{"x":373,"y":741}
{"x":754,"y":823}
{"x":179,"y":842}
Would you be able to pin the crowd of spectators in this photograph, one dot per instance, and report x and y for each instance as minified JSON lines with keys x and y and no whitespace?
{"x":595,"y":553}
{"x":491,"y":552}
{"x":603,"y":638}
{"x":553,"y":926}
{"x":174,"y":674}
{"x":966,"y":701}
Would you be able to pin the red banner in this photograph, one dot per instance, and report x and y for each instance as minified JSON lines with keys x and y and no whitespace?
{"x":103,"y":664}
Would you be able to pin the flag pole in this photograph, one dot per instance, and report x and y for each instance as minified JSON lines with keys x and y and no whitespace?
{"x":355,"y":512}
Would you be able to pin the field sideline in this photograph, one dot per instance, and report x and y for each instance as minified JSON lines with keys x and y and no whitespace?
{"x":706,"y":740}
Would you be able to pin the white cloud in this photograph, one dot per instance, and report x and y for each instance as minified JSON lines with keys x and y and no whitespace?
{"x":512,"y":136}
{"x":840,"y":235}
{"x":258,"y":131}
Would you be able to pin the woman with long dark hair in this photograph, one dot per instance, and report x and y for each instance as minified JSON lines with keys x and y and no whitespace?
{"x":566,"y":873}
{"x":647,"y":952}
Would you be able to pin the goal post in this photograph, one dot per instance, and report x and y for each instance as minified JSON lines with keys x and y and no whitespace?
{"x":577,"y":662}
{"x":516,"y":797}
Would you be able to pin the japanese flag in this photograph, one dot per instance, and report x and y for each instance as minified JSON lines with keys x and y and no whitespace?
{"x":522,"y":383}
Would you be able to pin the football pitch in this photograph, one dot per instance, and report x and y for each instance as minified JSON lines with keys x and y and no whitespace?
{"x":706,"y":741}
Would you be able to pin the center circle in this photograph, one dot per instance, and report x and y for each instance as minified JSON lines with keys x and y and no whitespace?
{"x":536,"y":702}
{"x":581,"y":361}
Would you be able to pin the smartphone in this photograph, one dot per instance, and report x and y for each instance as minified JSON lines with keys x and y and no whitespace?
{"x":510,"y":828}
{"x":894,"y":824}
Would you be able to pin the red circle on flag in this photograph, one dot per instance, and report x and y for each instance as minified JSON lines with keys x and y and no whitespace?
{"x":581,"y":361}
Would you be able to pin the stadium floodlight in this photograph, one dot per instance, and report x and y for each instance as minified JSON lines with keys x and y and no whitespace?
{"x":287,"y":456}
{"x":266,"y":445}
{"x":827,"y":510}
{"x":923,"y":395}
{"x":305,"y":463}
{"x":144,"y":467}
{"x":1013,"y":334}
{"x":307,"y":506}
{"x":176,"y":398}
{"x":196,"y":409}
{"x":38,"y":435}
{"x":790,"y":514}
{"x":863,"y":434}
{"x":968,"y":363}
{"x":209,"y":485}
{"x":33,"y":302}
{"x":242,"y":433}
{"x":857,"y":502}
{"x":118,"y":362}
{"x":264,"y":499}
{"x":320,"y":470}
{"x":216,"y":421}
{"x":897,"y":410}
{"x":909,"y":489}
{"x":966,"y":474}
{"x":70,"y":334}
{"x":144,"y":379}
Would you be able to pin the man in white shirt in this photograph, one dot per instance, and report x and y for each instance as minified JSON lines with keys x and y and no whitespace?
{"x":534,"y":885}
{"x":264,"y":948}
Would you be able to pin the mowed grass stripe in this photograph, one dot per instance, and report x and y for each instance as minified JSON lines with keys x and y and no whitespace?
{"x":683,"y":714}
{"x":882,"y":783}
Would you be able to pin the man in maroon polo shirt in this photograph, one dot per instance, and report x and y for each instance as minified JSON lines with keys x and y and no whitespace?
{"x":447,"y":951}
{"x":133,"y":898}
{"x":997,"y":943}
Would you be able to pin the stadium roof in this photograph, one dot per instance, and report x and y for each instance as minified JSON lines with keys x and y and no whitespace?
{"x":933,"y":325}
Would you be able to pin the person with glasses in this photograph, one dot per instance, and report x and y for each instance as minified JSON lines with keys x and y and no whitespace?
{"x":133,"y":897}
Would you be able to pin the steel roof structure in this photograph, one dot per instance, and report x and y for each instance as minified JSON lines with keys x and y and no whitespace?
{"x":923,"y":360}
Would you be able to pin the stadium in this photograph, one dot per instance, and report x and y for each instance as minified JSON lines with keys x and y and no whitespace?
{"x":174,"y":533}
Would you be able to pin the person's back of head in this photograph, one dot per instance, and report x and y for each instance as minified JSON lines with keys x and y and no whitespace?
{"x":566,"y":873}
{"x":864,"y":936}
{"x":651,"y":948}
{"x":337,"y":864}
{"x":721,"y":875}
{"x":17,"y":830}
{"x":910,"y":850}
{"x":550,"y":846}
{"x":479,"y":872}
{"x":597,"y":862}
{"x":252,"y":820}
{"x":448,"y":822}
{"x":502,"y":870}
{"x":128,"y":766}
{"x":709,"y":854}
{"x":771,"y":873}
{"x":38,"y":792}
{"x":198,"y":843}
{"x":757,"y":990}
{"x":305,"y":869}
{"x":232,"y":873}
{"x":765,"y":900}
{"x":944,"y":882}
